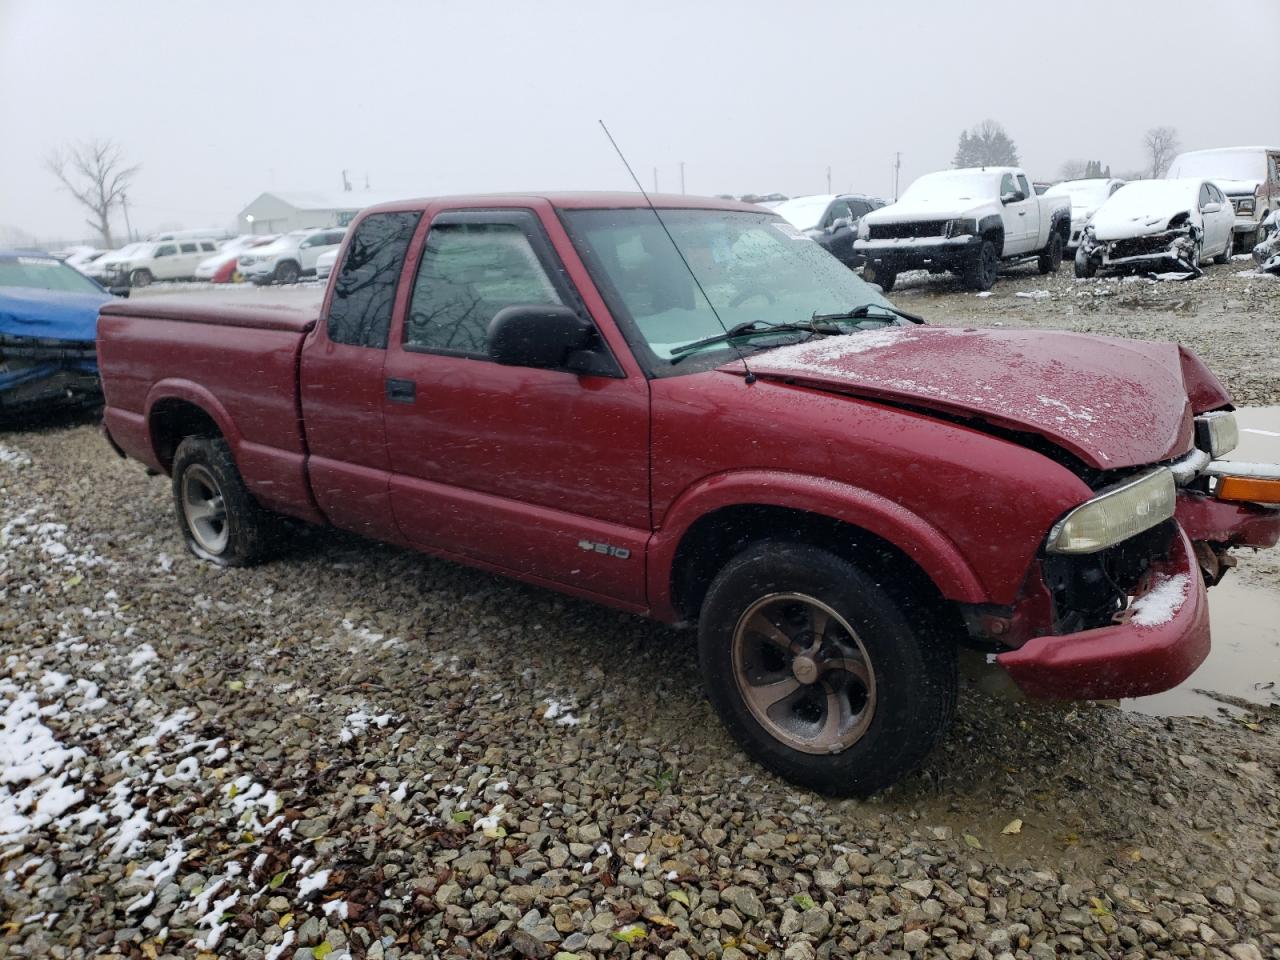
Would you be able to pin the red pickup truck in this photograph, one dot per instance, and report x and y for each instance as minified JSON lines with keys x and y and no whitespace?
{"x":695,"y":413}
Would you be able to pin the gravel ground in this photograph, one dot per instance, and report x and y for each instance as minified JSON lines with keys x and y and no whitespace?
{"x":359,"y":750}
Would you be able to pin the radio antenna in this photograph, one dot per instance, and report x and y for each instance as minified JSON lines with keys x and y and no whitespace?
{"x":751,"y":377}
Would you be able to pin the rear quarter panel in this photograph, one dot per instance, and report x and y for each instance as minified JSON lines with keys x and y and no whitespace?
{"x":244,"y":378}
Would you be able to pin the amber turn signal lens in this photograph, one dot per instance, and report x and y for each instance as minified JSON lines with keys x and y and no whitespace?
{"x":1253,"y":489}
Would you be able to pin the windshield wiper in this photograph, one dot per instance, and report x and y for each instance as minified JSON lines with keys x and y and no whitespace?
{"x":751,"y":329}
{"x":864,"y":312}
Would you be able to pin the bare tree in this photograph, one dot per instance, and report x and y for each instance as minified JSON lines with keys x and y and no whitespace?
{"x":95,"y":174}
{"x":1073,"y":169}
{"x":1162,"y":146}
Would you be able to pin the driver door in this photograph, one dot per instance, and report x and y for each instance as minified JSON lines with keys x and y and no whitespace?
{"x":538,"y":472}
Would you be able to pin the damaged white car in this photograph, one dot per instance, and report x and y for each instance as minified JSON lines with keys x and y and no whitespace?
{"x":1158,"y":224}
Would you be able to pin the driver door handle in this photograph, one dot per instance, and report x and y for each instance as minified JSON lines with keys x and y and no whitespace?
{"x":401,"y":391}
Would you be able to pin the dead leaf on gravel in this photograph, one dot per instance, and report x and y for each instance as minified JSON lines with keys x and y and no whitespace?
{"x":1013,"y":826}
{"x":973,"y":841}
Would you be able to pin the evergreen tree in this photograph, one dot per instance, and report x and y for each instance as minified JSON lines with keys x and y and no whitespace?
{"x":986,"y":145}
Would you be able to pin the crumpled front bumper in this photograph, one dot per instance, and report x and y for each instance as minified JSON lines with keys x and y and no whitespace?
{"x":39,"y":371}
{"x":1163,"y":640}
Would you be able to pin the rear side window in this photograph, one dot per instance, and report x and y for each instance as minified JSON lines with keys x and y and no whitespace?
{"x":188,"y":247}
{"x":469,"y":272}
{"x":365,"y":288}
{"x":207,"y":247}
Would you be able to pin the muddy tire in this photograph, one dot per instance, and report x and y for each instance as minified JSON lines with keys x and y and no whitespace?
{"x":286,"y":272}
{"x":1086,"y":266}
{"x":981,"y":270}
{"x":140,"y":278}
{"x":818,"y":673}
{"x":1051,"y":256}
{"x":1230,"y":248}
{"x":880,"y":274}
{"x":219,"y":519}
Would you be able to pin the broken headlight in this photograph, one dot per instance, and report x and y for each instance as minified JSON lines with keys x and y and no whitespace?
{"x":1116,"y":514}
{"x":962,"y":228}
{"x":1217,"y":433}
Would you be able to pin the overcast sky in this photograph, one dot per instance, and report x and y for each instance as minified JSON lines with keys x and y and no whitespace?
{"x":221,"y":101}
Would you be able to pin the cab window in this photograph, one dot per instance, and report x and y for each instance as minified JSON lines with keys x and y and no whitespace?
{"x":1006,"y":185}
{"x":1204,"y":195}
{"x":469,"y":271}
{"x":188,"y":248}
{"x":365,"y":288}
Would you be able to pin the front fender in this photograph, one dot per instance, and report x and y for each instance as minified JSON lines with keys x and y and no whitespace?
{"x":932,"y":550}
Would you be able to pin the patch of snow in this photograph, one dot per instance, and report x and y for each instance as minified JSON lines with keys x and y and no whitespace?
{"x":335,"y":906}
{"x":14,"y":458}
{"x":560,"y":713}
{"x":1162,"y":603}
{"x":983,"y":295}
{"x":358,"y":722}
{"x":1034,"y":294}
{"x":1083,"y":414}
{"x":33,"y":761}
{"x":823,"y":356}
{"x":312,"y":883}
{"x":278,"y":951}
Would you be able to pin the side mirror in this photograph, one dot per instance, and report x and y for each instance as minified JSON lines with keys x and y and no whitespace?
{"x":1007,"y":198}
{"x":1213,"y":206}
{"x":840,"y":224}
{"x":545,"y":336}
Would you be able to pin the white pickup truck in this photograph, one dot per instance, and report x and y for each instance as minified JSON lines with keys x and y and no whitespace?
{"x":968,"y":221}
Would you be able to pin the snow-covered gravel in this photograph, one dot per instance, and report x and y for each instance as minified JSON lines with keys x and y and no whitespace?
{"x":358,"y":751}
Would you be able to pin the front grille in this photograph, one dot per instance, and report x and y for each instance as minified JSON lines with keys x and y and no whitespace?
{"x":919,"y":228}
{"x":1138,"y":247}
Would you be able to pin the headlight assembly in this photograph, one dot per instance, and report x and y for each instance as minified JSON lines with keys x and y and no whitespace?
{"x":1217,"y":433}
{"x":1244,"y":205}
{"x":1116,"y":514}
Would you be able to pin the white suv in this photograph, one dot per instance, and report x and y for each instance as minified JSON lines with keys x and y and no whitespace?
{"x":290,"y":257}
{"x":168,"y":260}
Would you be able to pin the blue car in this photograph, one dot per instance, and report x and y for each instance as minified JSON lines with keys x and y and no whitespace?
{"x":48,"y":332}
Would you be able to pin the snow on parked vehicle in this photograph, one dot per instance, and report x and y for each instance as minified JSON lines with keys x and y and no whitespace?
{"x":289,"y":257}
{"x":1249,"y":176}
{"x":1158,"y":224}
{"x":164,"y":260}
{"x":1086,"y":197}
{"x":968,"y":221}
{"x":831,"y":220}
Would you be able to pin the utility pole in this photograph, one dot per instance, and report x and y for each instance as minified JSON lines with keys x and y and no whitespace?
{"x":682,"y":176}
{"x":828,"y":179}
{"x":897,"y":165}
{"x":655,"y":179}
{"x":124,"y":205}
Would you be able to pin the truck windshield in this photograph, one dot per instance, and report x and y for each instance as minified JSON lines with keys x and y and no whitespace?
{"x":43,"y":273}
{"x":754,"y":267}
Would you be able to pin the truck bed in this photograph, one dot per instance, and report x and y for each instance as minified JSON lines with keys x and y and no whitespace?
{"x":177,"y":346}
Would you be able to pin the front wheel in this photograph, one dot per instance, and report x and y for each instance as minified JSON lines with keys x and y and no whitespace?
{"x":287,"y":272}
{"x":140,"y":278}
{"x":1229,"y":249}
{"x":818,"y":673}
{"x":880,"y":274}
{"x":1086,"y":266}
{"x":219,"y":519}
{"x":1051,"y":256}
{"x":980,"y":273}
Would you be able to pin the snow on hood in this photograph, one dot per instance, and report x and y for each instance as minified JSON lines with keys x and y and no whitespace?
{"x":56,"y":314}
{"x":935,"y":196}
{"x":1114,"y":403}
{"x":1143,"y":207}
{"x":1237,"y":187}
{"x":803,"y":213}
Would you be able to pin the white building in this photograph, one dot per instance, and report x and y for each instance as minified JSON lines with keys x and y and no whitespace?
{"x":282,"y":211}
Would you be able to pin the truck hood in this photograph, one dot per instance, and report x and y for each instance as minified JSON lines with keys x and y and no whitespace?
{"x":1112,"y":403}
{"x":1237,"y":188}
{"x":926,"y":208}
{"x":50,"y":314}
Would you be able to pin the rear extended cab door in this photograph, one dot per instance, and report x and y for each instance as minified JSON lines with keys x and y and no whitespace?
{"x":341,"y":376}
{"x":1021,"y":217}
{"x":539,"y":473}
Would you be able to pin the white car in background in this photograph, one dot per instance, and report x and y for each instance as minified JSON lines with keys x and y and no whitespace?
{"x":221,"y":267}
{"x":324,"y":264}
{"x":290,"y":257}
{"x":1154,"y":223}
{"x":1249,"y":176}
{"x":1086,"y":197}
{"x":99,"y":267}
{"x":166,"y":260}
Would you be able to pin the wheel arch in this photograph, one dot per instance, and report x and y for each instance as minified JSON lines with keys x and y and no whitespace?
{"x":177,"y":409}
{"x":709,"y":524}
{"x":991,"y":228}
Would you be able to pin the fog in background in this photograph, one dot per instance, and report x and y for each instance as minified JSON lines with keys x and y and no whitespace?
{"x":221,"y":101}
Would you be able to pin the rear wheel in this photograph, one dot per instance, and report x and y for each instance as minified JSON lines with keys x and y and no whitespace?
{"x":1051,"y":256}
{"x":219,"y":519}
{"x":880,"y":274}
{"x":287,"y":272}
{"x":1086,"y":266}
{"x":140,"y":277}
{"x":980,"y":272}
{"x":817,"y":672}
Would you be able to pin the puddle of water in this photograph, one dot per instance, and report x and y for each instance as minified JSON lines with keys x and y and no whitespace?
{"x":1244,"y":658}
